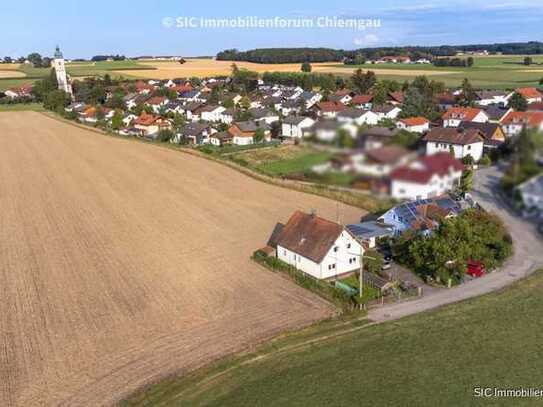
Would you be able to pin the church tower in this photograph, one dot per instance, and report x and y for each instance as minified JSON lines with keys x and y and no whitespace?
{"x":60,"y":69}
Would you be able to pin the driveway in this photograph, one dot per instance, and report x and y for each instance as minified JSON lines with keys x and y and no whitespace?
{"x":527,"y":257}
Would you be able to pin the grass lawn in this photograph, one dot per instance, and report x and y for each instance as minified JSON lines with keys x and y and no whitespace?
{"x":430,"y":359}
{"x":20,"y":107}
{"x":14,"y":83}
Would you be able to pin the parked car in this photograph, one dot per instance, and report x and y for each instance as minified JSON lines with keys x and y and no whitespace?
{"x":476,"y":269}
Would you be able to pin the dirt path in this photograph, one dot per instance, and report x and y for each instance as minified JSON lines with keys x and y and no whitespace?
{"x":527,"y":258}
{"x":122,"y":263}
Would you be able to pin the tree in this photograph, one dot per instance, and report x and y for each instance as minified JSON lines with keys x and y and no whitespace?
{"x":259,"y":135}
{"x":528,"y":61}
{"x":245,"y":103}
{"x":117,"y":120}
{"x":470,"y":61}
{"x":43,"y":87}
{"x":306,"y":67}
{"x":466,"y":182}
{"x":468,"y":95}
{"x":363,"y":82}
{"x":56,"y":101}
{"x":518,"y":102}
{"x":344,"y":139}
{"x":165,"y":135}
{"x":8,"y":60}
{"x":380,"y":93}
{"x":35,"y":59}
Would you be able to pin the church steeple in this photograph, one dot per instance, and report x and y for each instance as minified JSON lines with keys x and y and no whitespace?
{"x":58,"y":54}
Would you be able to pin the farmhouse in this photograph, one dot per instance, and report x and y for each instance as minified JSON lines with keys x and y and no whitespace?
{"x":426,"y":177}
{"x":414,"y":124}
{"x":463,"y":142}
{"x":456,"y":115}
{"x":318,"y":247}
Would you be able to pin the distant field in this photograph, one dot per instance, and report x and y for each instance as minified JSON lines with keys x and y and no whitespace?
{"x":14,"y":83}
{"x":11,"y":74}
{"x":431,"y":359}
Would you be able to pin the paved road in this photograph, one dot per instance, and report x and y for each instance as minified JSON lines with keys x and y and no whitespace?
{"x":527,"y":258}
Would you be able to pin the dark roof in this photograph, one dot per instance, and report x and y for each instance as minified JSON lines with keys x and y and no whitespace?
{"x":368,"y":230}
{"x":495,"y":112}
{"x":487,"y":129}
{"x":295,"y":120}
{"x":387,"y":155}
{"x":272,"y":241}
{"x":194,"y":129}
{"x":380,"y":132}
{"x":309,"y":236}
{"x":352,"y":113}
{"x":453,"y":135}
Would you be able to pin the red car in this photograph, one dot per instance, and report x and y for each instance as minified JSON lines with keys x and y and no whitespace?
{"x":476,"y":269}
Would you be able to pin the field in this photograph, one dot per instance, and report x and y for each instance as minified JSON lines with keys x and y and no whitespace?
{"x":122,"y":263}
{"x":431,"y":359}
{"x":22,"y":107}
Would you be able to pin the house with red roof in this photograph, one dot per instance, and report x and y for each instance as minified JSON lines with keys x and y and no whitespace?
{"x":150,"y":124}
{"x":514,"y":122}
{"x":362,"y":101}
{"x":414,"y":124}
{"x":456,"y":115}
{"x":426,"y":177}
{"x":532,"y":95}
{"x":156,"y":103}
{"x":316,"y":246}
{"x":329,"y":109}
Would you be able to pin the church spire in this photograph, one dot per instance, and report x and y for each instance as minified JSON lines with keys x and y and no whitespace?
{"x":58,"y":54}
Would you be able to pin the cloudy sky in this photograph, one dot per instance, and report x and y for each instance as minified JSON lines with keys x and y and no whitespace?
{"x":135,"y":27}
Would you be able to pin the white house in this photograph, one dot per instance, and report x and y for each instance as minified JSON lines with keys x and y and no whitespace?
{"x":358,"y":117}
{"x":491,"y":97}
{"x":318,"y":247}
{"x":427,"y":177}
{"x":212,"y":113}
{"x":414,"y":124}
{"x":227,"y":116}
{"x":456,"y":115}
{"x":386,"y":111}
{"x":464,"y":142}
{"x":294,"y":126}
{"x":514,"y":122}
{"x":380,"y":162}
{"x":532,"y":95}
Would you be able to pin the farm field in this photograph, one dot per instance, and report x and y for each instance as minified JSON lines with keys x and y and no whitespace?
{"x":122,"y":263}
{"x":431,"y":359}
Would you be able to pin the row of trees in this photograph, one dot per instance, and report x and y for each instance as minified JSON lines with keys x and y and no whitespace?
{"x":454,"y":62}
{"x":282,"y":55}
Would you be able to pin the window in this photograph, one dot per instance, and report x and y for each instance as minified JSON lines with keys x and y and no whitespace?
{"x":331,"y":266}
{"x":348,"y":246}
{"x":336,"y":249}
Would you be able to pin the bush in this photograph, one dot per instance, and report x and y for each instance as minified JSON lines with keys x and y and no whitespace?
{"x":486,"y":161}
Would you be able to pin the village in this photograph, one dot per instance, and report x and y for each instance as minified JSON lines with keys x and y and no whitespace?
{"x":423,"y":163}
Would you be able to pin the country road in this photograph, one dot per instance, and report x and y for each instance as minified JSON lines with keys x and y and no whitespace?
{"x":527,"y":257}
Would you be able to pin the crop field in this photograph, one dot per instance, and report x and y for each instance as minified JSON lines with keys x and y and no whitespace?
{"x":431,"y":359}
{"x":122,"y":263}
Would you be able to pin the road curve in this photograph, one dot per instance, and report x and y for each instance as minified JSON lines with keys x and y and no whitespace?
{"x":527,"y":257}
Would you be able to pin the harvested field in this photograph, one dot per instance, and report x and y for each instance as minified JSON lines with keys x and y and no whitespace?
{"x":122,"y":262}
{"x":11,"y":74}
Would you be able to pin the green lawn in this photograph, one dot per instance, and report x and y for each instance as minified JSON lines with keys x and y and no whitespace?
{"x":21,"y":107}
{"x":14,"y":83}
{"x":431,"y":359}
{"x":294,"y":165}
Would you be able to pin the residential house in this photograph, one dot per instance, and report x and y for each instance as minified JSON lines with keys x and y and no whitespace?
{"x":290,"y":107}
{"x":377,"y":137}
{"x":329,"y":110}
{"x":324,"y":130}
{"x":445,"y":100}
{"x":150,"y":124}
{"x":456,"y":115}
{"x":157,"y":103}
{"x":318,"y":247}
{"x":514,"y":122}
{"x":463,"y":142}
{"x":493,"y":133}
{"x":243,"y":132}
{"x":496,"y":113}
{"x":310,"y":98}
{"x":422,"y":215}
{"x":491,"y":97}
{"x":211,"y":113}
{"x":294,"y":126}
{"x":220,"y":138}
{"x":426,"y":177}
{"x":386,"y":111}
{"x":362,"y":101}
{"x":20,"y":92}
{"x":414,"y":124}
{"x":380,"y":162}
{"x":358,"y":117}
{"x":266,"y":115}
{"x":369,"y":232}
{"x":227,"y":116}
{"x":194,"y":134}
{"x":532,"y":95}
{"x":396,"y":98}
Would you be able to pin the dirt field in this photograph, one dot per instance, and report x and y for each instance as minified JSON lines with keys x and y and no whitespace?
{"x":210,"y":67}
{"x":123,"y":262}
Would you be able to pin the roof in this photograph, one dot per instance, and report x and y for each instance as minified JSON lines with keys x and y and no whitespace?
{"x":415,"y":121}
{"x":371,"y":229}
{"x":452,"y":135}
{"x":272,"y":241}
{"x":361,"y":99}
{"x":425,"y":213}
{"x":157,"y":100}
{"x":383,"y":108}
{"x":536,"y":106}
{"x":397,"y":96}
{"x":495,"y":112}
{"x":146,"y":119}
{"x":422,"y":170}
{"x":462,"y":113}
{"x":533,"y":119}
{"x":352,"y":113}
{"x":294,"y":120}
{"x":488,"y":130}
{"x":387,"y":155}
{"x":489,"y":94}
{"x":331,"y":106}
{"x":309,"y":236}
{"x":529,"y":93}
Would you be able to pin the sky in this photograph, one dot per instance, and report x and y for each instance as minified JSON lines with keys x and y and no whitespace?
{"x":150,"y":27}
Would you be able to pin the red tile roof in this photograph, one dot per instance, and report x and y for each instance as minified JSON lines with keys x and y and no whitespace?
{"x":362,"y":99}
{"x":309,"y":236}
{"x":397,"y":96}
{"x":157,"y":100}
{"x":454,"y":136}
{"x":146,"y":119}
{"x":462,"y":113}
{"x":422,"y":170}
{"x":331,"y":106}
{"x":531,"y":119}
{"x":415,"y":121}
{"x":529,"y":93}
